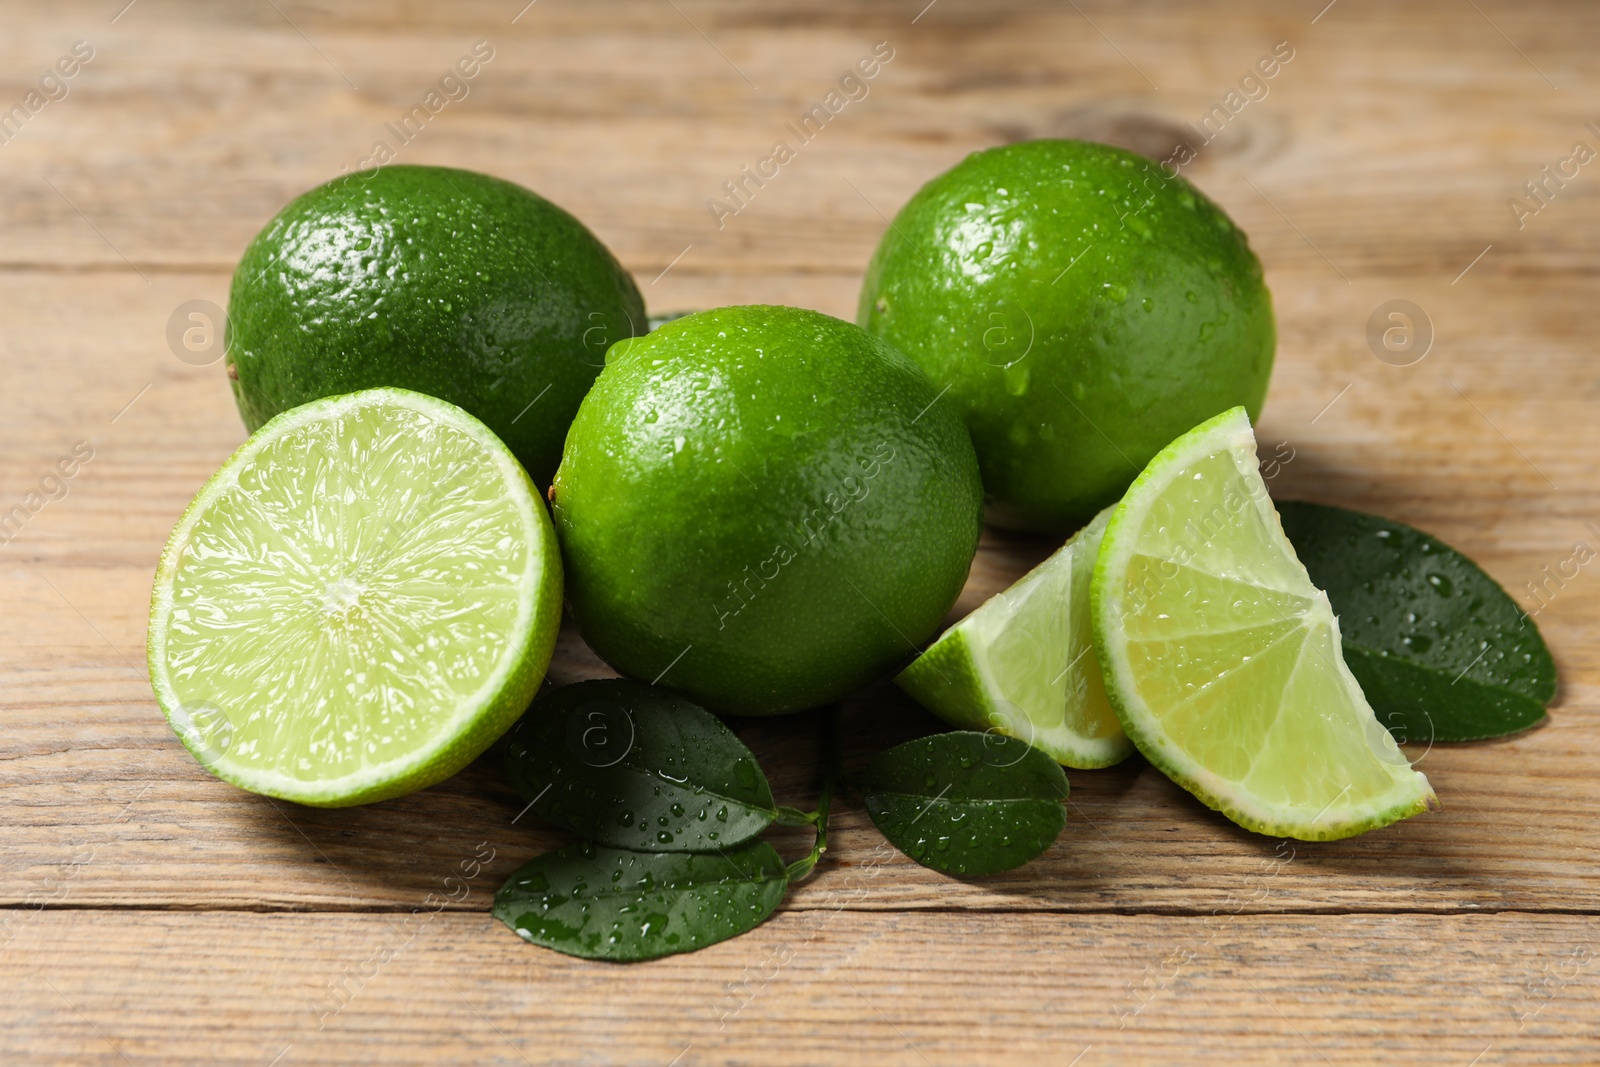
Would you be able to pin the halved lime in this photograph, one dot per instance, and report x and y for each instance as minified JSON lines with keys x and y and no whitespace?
{"x":1223,"y":661}
{"x":1024,"y":665}
{"x":358,"y":603}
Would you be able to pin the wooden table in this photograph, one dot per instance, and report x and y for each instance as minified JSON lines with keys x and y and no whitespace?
{"x":154,"y":915}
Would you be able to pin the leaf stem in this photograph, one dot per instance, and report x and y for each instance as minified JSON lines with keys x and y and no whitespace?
{"x":831,"y":758}
{"x":788,"y":816}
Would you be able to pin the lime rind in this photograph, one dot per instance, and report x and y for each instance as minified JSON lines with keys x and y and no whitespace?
{"x":1321,"y":766}
{"x":255,"y":736}
{"x":1023,"y":664}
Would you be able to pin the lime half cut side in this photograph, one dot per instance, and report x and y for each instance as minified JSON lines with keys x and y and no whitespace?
{"x":1023,"y":664}
{"x":1223,"y":661}
{"x":359,"y":602}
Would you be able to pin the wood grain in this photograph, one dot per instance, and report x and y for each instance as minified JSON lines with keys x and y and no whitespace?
{"x":834,"y":987}
{"x":150,"y":913}
{"x":83,"y":735}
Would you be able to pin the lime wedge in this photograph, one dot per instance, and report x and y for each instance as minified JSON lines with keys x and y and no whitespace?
{"x":359,"y":602}
{"x":1223,"y":660}
{"x":1024,"y":664}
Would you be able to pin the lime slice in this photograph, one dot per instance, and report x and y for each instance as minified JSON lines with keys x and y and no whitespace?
{"x":1024,"y":665}
{"x":1223,"y":660}
{"x":358,"y":603}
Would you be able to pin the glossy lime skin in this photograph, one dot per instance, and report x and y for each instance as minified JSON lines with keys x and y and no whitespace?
{"x":1083,"y":307}
{"x":447,"y":282}
{"x":764,"y":508}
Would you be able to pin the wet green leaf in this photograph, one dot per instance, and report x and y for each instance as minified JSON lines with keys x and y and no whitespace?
{"x":614,"y":904}
{"x":967,"y":803}
{"x":1441,"y":652}
{"x":626,"y":764}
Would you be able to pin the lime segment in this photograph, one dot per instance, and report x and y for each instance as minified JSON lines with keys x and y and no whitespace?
{"x":358,"y":603}
{"x":1223,"y":661}
{"x":1024,"y":663}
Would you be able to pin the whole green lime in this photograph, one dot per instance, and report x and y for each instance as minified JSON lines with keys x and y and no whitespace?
{"x":764,"y":508}
{"x":1082,"y":306}
{"x":443,"y":281}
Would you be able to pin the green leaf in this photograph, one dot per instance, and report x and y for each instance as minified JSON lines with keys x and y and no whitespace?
{"x":614,"y":904}
{"x":625,"y":764}
{"x":965,"y":802}
{"x":1441,"y":652}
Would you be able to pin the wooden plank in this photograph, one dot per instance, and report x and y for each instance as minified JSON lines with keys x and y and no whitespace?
{"x":836,"y":987}
{"x":139,"y":824}
{"x":83,"y":737}
{"x":152,"y":164}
